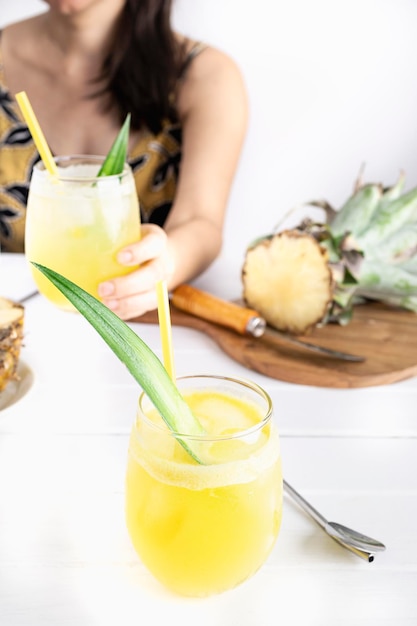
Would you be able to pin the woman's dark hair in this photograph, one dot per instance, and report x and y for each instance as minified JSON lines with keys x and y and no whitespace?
{"x":145,"y":63}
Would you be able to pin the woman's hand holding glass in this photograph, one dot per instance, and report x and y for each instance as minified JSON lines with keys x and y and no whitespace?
{"x":133,"y":294}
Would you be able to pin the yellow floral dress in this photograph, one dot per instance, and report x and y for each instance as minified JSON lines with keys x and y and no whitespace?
{"x":155,"y":161}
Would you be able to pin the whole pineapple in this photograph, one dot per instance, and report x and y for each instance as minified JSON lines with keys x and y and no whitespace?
{"x":318,"y":272}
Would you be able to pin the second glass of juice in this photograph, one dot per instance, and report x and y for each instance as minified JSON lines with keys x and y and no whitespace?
{"x":202,"y":527}
{"x":77,"y":222}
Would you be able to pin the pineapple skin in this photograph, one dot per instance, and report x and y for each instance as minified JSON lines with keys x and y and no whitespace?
{"x":11,"y":339}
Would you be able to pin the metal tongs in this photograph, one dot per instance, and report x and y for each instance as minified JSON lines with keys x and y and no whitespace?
{"x":243,"y":320}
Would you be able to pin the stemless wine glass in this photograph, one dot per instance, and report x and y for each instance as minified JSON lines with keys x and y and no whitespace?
{"x":76,"y":223}
{"x":203,"y":528}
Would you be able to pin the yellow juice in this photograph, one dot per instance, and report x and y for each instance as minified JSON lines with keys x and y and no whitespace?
{"x":202,"y":529}
{"x":76,"y":224}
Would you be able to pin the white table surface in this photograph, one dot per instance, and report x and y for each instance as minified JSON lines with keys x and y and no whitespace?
{"x":65,"y":556}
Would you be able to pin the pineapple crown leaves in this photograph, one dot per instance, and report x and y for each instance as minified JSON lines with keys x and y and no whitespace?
{"x":358,"y":210}
{"x":366,"y":201}
{"x":394,"y":191}
{"x":117,"y":155}
{"x":391,"y":216}
{"x":340,"y":314}
{"x":345,"y":259}
{"x":375,"y":232}
{"x":139,"y":359}
{"x":388,"y":279}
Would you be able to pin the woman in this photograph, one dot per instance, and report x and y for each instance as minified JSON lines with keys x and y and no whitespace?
{"x":84,"y":65}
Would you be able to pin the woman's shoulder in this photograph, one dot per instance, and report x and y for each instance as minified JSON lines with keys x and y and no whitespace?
{"x":18,"y":37}
{"x":201,"y":56}
{"x":21,"y":27}
{"x":210,"y":74}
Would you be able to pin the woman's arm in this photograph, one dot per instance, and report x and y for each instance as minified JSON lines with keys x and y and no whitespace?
{"x":212,"y":104}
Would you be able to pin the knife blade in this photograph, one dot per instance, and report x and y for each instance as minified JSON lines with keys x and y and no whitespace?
{"x":28,"y":296}
{"x":243,"y":320}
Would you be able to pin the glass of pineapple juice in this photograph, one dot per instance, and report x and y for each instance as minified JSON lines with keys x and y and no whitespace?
{"x":203,"y":528}
{"x":76,"y":223}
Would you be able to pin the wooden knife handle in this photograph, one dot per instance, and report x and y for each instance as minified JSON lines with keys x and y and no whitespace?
{"x":201,"y":304}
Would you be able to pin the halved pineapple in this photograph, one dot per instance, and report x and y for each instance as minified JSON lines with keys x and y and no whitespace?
{"x":11,"y":337}
{"x":287,"y":279}
{"x":369,"y":246}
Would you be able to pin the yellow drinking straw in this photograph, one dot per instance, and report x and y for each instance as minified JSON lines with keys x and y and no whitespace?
{"x":165,"y":327}
{"x":36,"y":132}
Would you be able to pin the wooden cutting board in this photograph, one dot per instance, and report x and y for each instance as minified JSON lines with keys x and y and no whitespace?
{"x":386,"y":337}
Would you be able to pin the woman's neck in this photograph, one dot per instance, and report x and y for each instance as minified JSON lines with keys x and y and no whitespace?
{"x":82,"y":39}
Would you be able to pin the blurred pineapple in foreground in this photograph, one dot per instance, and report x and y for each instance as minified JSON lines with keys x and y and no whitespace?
{"x":11,"y":337}
{"x":317,"y":272}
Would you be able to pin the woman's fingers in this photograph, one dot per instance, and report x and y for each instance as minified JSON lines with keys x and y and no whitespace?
{"x":133,"y":306}
{"x":151,"y":245}
{"x":133,"y":294}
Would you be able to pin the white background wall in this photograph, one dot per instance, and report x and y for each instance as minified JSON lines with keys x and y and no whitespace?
{"x":331,"y":84}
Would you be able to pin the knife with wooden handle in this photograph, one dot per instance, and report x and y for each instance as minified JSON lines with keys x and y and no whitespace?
{"x":242,"y":320}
